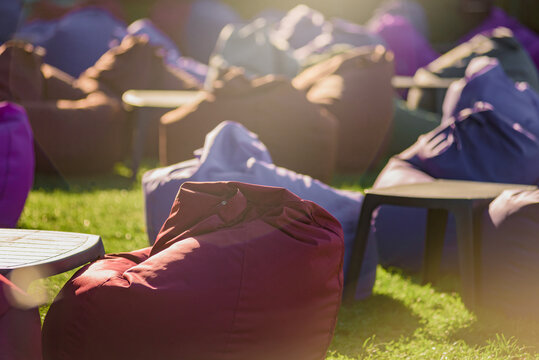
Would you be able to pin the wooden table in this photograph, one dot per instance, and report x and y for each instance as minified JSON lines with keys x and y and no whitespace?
{"x":46,"y":252}
{"x":465,"y":199}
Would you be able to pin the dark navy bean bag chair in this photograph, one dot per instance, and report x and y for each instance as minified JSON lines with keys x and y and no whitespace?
{"x":232,"y":153}
{"x":77,"y":40}
{"x":527,"y":37}
{"x":16,"y":162}
{"x":498,"y":43}
{"x":510,"y":255}
{"x":238,"y":271}
{"x":493,"y":136}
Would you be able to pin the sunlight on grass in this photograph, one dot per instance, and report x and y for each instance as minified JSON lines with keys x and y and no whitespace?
{"x":402,"y":320}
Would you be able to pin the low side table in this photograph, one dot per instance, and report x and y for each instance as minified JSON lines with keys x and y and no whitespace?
{"x":47,"y":252}
{"x":164,"y":100}
{"x":465,"y":199}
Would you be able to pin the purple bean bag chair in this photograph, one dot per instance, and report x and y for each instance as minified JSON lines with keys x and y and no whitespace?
{"x":411,"y":48}
{"x":510,"y":254}
{"x":16,"y":162}
{"x":409,"y":9}
{"x":77,"y":40}
{"x":232,"y":153}
{"x":528,"y":38}
{"x":493,"y":136}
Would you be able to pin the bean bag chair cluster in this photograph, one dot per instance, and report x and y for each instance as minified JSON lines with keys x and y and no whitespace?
{"x":16,"y":162}
{"x":299,"y":134}
{"x":233,"y":153}
{"x":238,"y":271}
{"x":77,"y":128}
{"x":498,"y":43}
{"x":491,"y":137}
{"x":499,"y":18}
{"x":510,"y":250}
{"x":20,"y":327}
{"x":412,"y":50}
{"x":355,"y":86}
{"x":75,"y":41}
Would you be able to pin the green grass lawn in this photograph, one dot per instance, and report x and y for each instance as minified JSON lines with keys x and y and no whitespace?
{"x":402,"y":320}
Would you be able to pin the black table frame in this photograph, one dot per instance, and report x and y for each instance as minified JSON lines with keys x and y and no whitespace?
{"x":467,"y":212}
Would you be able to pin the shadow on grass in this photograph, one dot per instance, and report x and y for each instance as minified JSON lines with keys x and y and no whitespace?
{"x":119,"y":178}
{"x":379,"y":316}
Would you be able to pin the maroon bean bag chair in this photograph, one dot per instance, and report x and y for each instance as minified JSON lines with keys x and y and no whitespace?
{"x":355,"y":87}
{"x":77,"y":128}
{"x":238,"y":271}
{"x":300,"y":135}
{"x":16,"y":162}
{"x":20,"y":327}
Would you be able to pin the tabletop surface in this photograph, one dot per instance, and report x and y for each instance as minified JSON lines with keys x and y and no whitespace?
{"x":449,"y":189}
{"x":58,"y":251}
{"x":161,"y":98}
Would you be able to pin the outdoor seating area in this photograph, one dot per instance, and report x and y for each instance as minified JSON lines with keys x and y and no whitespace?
{"x":219,"y":179}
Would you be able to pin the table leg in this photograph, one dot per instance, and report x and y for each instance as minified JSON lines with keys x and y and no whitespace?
{"x":139,"y":139}
{"x":358,"y":248}
{"x":466,"y":252}
{"x":477,"y":224}
{"x":434,"y":244}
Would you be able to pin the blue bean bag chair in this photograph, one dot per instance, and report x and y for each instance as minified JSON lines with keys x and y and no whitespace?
{"x":204,"y":24}
{"x":77,"y":40}
{"x":16,"y":162}
{"x":492,"y":136}
{"x":253,"y":48}
{"x":232,"y":153}
{"x":172,"y":55}
{"x":10,"y":12}
{"x":308,"y":33}
{"x":510,"y":251}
